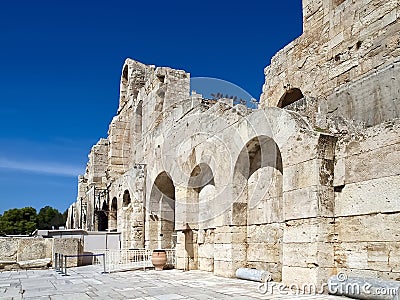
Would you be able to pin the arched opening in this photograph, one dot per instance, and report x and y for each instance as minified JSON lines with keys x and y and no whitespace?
{"x":290,"y":97}
{"x":113,"y":215}
{"x":162,"y":213}
{"x":258,"y":191}
{"x":102,"y":217}
{"x":200,"y":198}
{"x":200,"y":213}
{"x":125,"y":74}
{"x":126,"y":199}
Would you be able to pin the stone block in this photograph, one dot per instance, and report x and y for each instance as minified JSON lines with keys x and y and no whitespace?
{"x":230,"y":234}
{"x":34,"y":248}
{"x":68,"y":246}
{"x":309,"y":230}
{"x":314,"y":201}
{"x":230,"y":252}
{"x":378,"y":256}
{"x":8,"y":249}
{"x":368,"y":228}
{"x":227,"y":268}
{"x":206,"y":251}
{"x":35,"y":263}
{"x":264,"y":252}
{"x":265,"y":233}
{"x":308,"y":255}
{"x":206,"y":264}
{"x":373,"y":196}
{"x":266,"y":211}
{"x":377,"y":163}
{"x":300,"y":276}
{"x":301,"y":175}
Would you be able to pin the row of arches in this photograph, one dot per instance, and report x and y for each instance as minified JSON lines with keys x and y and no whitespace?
{"x":107,"y":215}
{"x":257,"y":185}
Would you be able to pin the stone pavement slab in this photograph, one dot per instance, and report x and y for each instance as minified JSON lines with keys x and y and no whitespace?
{"x":89,"y":283}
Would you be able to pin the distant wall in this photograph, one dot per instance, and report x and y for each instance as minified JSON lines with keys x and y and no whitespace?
{"x":33,"y":252}
{"x":16,"y":252}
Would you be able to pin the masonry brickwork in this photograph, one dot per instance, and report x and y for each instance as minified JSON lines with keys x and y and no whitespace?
{"x":304,"y":186}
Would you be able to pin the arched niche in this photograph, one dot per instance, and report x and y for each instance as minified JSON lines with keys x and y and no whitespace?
{"x":161,"y":213}
{"x":290,"y":97}
{"x":126,"y":199}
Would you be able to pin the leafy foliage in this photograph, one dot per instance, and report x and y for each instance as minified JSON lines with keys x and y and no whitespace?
{"x":18,"y":221}
{"x":26,"y":220}
{"x":49,"y":217}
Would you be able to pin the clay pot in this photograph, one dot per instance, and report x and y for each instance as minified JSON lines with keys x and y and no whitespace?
{"x":159,"y":259}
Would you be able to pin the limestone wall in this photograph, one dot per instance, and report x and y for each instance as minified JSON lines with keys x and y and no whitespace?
{"x":68,"y":246}
{"x":35,"y":252}
{"x":303,"y":191}
{"x":341,"y":43}
{"x":367,"y":207}
{"x":25,"y":252}
{"x":129,"y":192}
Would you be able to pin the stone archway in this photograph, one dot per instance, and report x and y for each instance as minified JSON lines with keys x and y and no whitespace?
{"x":200,"y":210}
{"x":161,"y":213}
{"x":102,"y":217}
{"x":200,"y":195}
{"x":290,"y":97}
{"x":126,"y":199}
{"x":258,"y":192}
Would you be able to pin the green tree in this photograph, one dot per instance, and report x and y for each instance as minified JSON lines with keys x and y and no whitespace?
{"x":49,"y":217}
{"x":18,"y":221}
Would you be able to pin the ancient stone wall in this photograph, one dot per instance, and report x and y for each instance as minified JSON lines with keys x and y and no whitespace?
{"x":343,"y":42}
{"x":367,"y":175}
{"x":302,"y":190}
{"x":25,"y":252}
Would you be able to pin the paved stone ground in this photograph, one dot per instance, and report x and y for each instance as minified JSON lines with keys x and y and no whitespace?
{"x":89,"y":283}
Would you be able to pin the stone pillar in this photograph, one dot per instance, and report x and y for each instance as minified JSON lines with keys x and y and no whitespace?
{"x":308,"y":250}
{"x":229,"y":249}
{"x":187,"y":250}
{"x":205,"y":241}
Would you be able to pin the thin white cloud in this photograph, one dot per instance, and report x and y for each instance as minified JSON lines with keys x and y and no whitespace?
{"x":41,"y":167}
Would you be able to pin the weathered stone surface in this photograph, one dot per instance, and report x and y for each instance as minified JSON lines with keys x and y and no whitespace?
{"x":35,"y":263}
{"x":308,"y":255}
{"x":8,"y":249}
{"x":368,"y":197}
{"x":368,"y":228}
{"x":304,"y":185}
{"x":68,"y":246}
{"x":34,"y":248}
{"x":309,"y":230}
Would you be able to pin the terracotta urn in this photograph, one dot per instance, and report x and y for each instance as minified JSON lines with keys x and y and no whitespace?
{"x":159,"y":259}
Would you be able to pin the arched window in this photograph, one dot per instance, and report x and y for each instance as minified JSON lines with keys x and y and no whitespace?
{"x":126,"y":199}
{"x":290,"y":97}
{"x":125,"y":75}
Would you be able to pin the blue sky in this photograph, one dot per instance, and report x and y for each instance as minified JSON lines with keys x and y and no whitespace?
{"x":60,"y":66}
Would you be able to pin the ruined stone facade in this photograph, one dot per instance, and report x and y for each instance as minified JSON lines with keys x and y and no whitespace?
{"x":304,"y":186}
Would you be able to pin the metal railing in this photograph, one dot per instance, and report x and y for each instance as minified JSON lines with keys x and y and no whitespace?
{"x":127,"y":259}
{"x":61,"y":261}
